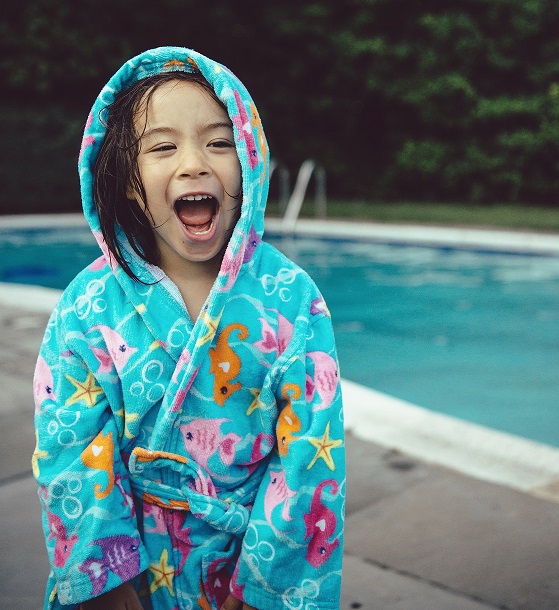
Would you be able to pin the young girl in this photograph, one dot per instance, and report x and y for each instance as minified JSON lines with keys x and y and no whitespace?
{"x":188,"y":410}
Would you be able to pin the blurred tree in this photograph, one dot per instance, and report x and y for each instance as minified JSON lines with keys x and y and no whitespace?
{"x":410,"y":99}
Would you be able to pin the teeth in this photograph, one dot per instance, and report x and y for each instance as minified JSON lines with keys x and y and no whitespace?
{"x":195,"y":197}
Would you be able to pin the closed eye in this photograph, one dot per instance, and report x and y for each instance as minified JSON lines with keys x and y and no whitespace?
{"x":221,"y":144}
{"x":163,"y":148}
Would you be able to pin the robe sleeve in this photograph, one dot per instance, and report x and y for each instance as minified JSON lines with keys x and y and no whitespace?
{"x":292,"y":550}
{"x":88,"y":512}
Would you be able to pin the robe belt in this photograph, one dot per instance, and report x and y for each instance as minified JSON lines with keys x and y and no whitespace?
{"x":227,"y":515}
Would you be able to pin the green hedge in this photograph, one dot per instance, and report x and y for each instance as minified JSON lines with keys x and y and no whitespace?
{"x":425,"y":100}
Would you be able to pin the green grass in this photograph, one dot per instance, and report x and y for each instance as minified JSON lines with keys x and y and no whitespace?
{"x":504,"y":216}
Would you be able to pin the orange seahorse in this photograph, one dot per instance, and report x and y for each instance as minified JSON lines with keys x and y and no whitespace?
{"x":288,"y":422}
{"x":99,"y":455}
{"x":257,"y":123}
{"x":225,"y":364}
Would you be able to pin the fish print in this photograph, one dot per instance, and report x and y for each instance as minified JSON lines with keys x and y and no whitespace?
{"x":203,"y":439}
{"x":324,"y":381}
{"x":277,"y":493}
{"x":119,"y":351}
{"x":119,"y":555}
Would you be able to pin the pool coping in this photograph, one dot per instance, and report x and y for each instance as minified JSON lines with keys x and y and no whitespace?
{"x":442,"y":236}
{"x":475,"y":450}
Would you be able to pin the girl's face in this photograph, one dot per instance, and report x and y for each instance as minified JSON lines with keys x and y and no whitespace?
{"x":191,"y":175}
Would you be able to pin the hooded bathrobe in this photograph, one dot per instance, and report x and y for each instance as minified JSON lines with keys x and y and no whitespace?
{"x":193,"y":458}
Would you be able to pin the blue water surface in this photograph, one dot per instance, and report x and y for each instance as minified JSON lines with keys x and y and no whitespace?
{"x":471,"y":334}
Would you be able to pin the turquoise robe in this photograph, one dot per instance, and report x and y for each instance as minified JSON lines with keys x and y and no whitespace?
{"x":193,"y":458}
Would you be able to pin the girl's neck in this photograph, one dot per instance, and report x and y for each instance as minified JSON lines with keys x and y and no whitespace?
{"x":194,"y":281}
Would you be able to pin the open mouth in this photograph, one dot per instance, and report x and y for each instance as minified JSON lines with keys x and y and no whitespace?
{"x":197,"y":212}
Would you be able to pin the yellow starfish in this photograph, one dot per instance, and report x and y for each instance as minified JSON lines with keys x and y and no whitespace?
{"x":128,"y":417}
{"x":37,"y":455}
{"x":324,"y":446}
{"x":211,"y":324}
{"x":256,"y":403}
{"x":162,"y":574}
{"x":86,"y":390}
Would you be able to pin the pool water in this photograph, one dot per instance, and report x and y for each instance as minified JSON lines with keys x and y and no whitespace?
{"x":471,"y":334}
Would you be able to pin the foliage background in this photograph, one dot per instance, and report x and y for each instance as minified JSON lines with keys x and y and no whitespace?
{"x":421,"y":100}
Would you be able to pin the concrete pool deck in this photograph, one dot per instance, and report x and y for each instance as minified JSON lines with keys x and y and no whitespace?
{"x":441,"y":514}
{"x":422,"y":533}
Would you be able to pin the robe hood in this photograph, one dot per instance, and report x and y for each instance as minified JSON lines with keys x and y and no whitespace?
{"x":156,"y":299}
{"x":250,"y":142}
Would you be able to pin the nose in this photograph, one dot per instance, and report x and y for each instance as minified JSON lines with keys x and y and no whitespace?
{"x":192,"y":163}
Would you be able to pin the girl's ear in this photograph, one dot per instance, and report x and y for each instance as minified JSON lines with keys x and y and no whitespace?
{"x":130,"y":193}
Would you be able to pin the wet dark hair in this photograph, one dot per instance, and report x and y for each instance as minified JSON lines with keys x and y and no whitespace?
{"x":116,"y":170}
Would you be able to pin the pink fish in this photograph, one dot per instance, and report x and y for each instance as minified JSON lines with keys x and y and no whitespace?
{"x":87,"y":140}
{"x":156,"y":512}
{"x":319,"y":306}
{"x":42,"y":383}
{"x":105,"y":360}
{"x":325,"y":380}
{"x":181,"y":394}
{"x":243,"y":123}
{"x":230,"y":266}
{"x":180,"y":538}
{"x":170,"y":521}
{"x":109,"y":258}
{"x":118,"y":350}
{"x":183,"y":360}
{"x":277,"y":493}
{"x":272,"y":341}
{"x":98,"y":263}
{"x":63,"y":545}
{"x":128,"y":500}
{"x":320,"y":524}
{"x":253,"y":241}
{"x":202,"y":439}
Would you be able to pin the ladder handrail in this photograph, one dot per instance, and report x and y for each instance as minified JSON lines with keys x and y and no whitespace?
{"x":295,"y":202}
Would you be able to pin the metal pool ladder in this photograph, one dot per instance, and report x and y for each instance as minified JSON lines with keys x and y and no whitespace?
{"x":295,"y":202}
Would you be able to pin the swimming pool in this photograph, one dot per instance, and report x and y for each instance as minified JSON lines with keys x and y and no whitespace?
{"x":467,"y":333}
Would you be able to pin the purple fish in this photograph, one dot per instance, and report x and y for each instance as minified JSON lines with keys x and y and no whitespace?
{"x":252,"y":244}
{"x":120,"y":555}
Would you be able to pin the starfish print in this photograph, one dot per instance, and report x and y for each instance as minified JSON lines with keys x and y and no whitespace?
{"x":37,"y":455}
{"x":162,"y":574}
{"x":128,"y":417}
{"x":256,"y":403}
{"x":211,"y":324}
{"x":86,"y":390}
{"x":324,"y":446}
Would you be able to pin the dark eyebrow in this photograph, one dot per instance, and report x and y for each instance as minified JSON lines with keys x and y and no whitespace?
{"x":204,"y":129}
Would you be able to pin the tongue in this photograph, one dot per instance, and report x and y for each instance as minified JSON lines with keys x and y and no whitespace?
{"x":196,"y":214}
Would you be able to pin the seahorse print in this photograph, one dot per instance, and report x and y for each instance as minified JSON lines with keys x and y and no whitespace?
{"x":99,"y":455}
{"x":225,"y":365}
{"x":256,"y":124}
{"x":288,"y":422}
{"x":320,"y":524}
